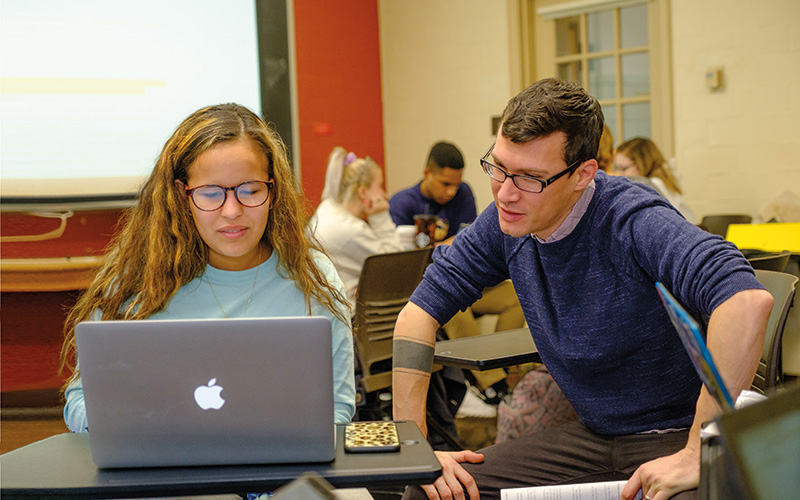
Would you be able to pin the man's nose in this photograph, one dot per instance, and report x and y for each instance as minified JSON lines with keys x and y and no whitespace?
{"x":508,"y":191}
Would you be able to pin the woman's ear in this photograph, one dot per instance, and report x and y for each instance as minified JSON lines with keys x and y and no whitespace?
{"x":181,"y":187}
{"x":362,"y":193}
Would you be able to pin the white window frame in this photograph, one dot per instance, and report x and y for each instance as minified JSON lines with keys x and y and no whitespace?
{"x":535,"y":23}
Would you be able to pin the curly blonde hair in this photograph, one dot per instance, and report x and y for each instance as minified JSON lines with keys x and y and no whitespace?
{"x":159,"y":248}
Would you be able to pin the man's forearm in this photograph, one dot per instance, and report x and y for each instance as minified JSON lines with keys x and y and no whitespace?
{"x":414,"y":340}
{"x":735,"y":339}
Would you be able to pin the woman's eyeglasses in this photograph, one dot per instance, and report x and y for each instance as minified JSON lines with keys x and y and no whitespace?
{"x":210,"y":197}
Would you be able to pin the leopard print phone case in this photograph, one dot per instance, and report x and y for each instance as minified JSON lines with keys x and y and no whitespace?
{"x":364,"y":437}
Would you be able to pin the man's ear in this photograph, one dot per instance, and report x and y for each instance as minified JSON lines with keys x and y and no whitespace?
{"x":586,"y":173}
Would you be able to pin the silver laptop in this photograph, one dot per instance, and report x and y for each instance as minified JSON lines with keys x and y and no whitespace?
{"x":208,"y":392}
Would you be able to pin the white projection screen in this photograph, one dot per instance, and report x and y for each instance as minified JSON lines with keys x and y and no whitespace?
{"x":90,"y":90}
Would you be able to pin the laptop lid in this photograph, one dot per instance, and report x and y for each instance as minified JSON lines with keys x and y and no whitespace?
{"x":763,"y":443}
{"x":692,"y":337}
{"x":208,"y":391}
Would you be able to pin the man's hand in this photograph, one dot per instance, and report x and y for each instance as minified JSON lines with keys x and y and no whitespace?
{"x":735,"y":336}
{"x":449,"y":485}
{"x":663,"y":477}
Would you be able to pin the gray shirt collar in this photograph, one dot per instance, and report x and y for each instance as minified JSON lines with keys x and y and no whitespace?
{"x":573,"y":218}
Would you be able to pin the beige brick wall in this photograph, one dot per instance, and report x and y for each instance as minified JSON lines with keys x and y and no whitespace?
{"x":738,"y":147}
{"x":445,"y":72}
{"x":447,"y":67}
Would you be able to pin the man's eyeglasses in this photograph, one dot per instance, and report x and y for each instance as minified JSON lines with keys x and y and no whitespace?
{"x":523,"y":182}
{"x":210,"y":197}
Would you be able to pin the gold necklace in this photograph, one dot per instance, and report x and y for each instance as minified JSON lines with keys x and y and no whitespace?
{"x":255,"y":279}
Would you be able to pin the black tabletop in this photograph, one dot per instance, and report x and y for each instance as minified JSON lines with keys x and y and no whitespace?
{"x":484,"y":352}
{"x":62,"y":466}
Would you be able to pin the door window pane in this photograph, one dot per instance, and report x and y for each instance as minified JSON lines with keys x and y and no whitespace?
{"x":569,"y":72}
{"x":607,"y":51}
{"x":635,"y":75}
{"x":610,"y":116}
{"x":600,"y":30}
{"x":635,"y":120}
{"x":633,"y":26}
{"x":602,"y":78}
{"x":568,"y":36}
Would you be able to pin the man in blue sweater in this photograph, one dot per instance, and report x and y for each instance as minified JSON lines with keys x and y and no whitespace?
{"x":584,"y":251}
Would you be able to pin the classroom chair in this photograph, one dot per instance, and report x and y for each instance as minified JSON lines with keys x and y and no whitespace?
{"x":782,"y":287}
{"x":718,"y":224}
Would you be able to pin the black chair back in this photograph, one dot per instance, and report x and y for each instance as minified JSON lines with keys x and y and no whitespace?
{"x":782,"y":288}
{"x":771,"y":262}
{"x":718,"y":224}
{"x":384,"y":287}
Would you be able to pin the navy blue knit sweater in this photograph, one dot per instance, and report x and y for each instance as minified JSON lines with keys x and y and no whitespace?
{"x":591,"y":304}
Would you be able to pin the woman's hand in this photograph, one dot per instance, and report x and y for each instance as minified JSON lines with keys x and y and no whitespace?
{"x":376,"y":205}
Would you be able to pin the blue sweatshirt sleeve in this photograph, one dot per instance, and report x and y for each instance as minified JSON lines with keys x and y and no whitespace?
{"x":649,"y":239}
{"x":701,"y":269}
{"x":75,"y":408}
{"x":460,"y":272}
{"x":402,"y":207}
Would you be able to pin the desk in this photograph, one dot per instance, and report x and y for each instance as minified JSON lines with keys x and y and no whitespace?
{"x":485,"y":352}
{"x":61,"y":466}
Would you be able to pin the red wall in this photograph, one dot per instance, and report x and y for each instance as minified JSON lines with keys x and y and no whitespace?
{"x":338,"y":84}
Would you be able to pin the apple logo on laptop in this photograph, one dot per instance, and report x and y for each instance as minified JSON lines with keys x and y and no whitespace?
{"x":207,"y":396}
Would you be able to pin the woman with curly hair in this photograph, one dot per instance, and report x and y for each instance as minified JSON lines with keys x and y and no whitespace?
{"x":219,"y":231}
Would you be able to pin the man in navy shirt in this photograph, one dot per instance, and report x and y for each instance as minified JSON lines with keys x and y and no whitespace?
{"x":584,"y":251}
{"x":441,"y":192}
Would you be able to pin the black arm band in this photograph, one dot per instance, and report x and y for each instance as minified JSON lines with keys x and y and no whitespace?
{"x":412,"y":355}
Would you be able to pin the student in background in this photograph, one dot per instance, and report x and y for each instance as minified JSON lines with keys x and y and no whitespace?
{"x":218,"y":232}
{"x":640,"y":157}
{"x":353,"y":223}
{"x":441,"y":192}
{"x":353,"y":220}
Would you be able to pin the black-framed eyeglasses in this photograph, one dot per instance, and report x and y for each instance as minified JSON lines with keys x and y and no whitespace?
{"x":210,"y":197}
{"x":523,"y":182}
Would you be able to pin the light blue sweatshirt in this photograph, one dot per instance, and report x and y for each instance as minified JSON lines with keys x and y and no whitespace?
{"x":274,"y":295}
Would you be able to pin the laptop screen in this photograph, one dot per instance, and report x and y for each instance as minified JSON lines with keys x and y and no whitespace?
{"x":763,"y":441}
